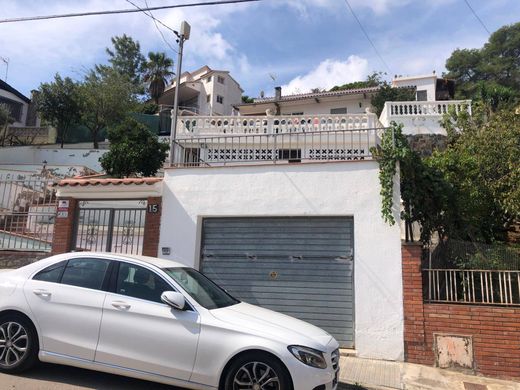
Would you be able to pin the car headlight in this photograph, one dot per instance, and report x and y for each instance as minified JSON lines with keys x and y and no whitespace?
{"x":309,"y":356}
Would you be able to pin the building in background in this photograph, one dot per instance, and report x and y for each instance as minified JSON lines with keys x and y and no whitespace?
{"x":204,"y":92}
{"x":350,"y":101}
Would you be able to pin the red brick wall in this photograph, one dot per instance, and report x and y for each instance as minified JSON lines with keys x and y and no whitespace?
{"x":495,"y":330}
{"x":63,"y":229}
{"x":152,"y":228}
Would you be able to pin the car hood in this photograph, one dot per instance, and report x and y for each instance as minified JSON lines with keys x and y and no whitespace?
{"x":274,"y":325}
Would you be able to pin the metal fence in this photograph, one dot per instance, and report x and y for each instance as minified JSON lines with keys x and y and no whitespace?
{"x":335,"y":145}
{"x":489,"y":287}
{"x":27,"y":212}
{"x":472,"y":273}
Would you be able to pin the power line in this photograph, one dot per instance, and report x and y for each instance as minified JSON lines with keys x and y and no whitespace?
{"x":155,"y":21}
{"x":476,"y":16}
{"x":124,"y":11}
{"x":367,"y":36}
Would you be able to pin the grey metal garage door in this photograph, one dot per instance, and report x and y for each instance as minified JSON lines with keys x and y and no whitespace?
{"x":299,"y":266}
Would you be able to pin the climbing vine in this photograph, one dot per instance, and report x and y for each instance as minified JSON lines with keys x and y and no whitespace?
{"x":393,"y":149}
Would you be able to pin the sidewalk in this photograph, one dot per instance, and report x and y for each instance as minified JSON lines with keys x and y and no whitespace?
{"x":381,"y":375}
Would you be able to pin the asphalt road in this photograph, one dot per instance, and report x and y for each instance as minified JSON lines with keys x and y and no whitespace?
{"x":55,"y":377}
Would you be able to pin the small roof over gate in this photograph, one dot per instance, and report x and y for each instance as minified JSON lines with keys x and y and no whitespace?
{"x":99,"y":187}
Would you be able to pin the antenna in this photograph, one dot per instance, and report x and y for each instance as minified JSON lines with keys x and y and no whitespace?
{"x":6,"y":61}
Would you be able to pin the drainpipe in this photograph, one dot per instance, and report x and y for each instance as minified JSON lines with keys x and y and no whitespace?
{"x":277,"y":98}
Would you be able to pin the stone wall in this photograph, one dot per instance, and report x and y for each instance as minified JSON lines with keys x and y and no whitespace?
{"x":425,"y":144}
{"x":17,"y":259}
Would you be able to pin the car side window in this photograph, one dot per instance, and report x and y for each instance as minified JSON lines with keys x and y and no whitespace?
{"x":138,"y":282}
{"x":52,"y":273}
{"x":87,"y":273}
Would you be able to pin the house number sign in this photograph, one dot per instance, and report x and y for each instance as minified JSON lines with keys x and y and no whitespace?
{"x":153,"y":208}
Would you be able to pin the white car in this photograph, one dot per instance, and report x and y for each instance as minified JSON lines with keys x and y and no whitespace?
{"x":156,"y":320}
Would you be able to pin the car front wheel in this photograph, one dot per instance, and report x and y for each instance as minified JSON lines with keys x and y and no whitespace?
{"x":18,"y":344}
{"x":257,"y":371}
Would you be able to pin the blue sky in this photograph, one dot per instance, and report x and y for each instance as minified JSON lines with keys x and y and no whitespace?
{"x":302,"y":43}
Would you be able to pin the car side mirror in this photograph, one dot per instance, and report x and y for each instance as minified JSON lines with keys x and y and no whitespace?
{"x":174,"y":299}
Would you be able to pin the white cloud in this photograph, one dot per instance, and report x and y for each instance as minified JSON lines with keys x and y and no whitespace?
{"x":379,"y":7}
{"x":39,"y":49}
{"x":328,"y":74}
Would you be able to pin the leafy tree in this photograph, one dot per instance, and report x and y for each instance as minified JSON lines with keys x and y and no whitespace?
{"x":247,"y":99}
{"x":481,"y":163}
{"x":157,"y":74}
{"x":126,"y":58}
{"x":58,"y":104}
{"x":493,"y":69}
{"x":470,"y":191}
{"x":105,"y":99}
{"x":373,"y":80}
{"x":134,"y":150}
{"x":6,"y":119}
{"x":387,"y":93}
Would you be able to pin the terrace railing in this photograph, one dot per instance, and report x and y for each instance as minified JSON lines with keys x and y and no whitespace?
{"x":283,"y":147}
{"x":418,"y":108}
{"x":222,"y":125}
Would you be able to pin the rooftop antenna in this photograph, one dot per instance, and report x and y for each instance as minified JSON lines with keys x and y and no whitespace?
{"x":6,"y":61}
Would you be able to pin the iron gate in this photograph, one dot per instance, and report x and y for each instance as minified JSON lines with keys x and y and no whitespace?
{"x":102,"y":227}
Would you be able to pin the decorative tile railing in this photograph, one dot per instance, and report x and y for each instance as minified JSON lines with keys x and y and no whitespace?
{"x":222,"y":125}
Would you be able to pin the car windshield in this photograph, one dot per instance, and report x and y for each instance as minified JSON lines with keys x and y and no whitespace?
{"x":203,"y":290}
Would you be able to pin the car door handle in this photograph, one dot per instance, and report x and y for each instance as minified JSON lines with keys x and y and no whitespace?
{"x":42,"y":293}
{"x":121,"y":305}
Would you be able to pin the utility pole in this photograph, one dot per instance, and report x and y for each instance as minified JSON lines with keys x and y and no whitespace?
{"x":183,"y":35}
{"x":6,"y":61}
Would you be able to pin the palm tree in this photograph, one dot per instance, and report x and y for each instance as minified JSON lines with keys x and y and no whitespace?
{"x":157,"y":74}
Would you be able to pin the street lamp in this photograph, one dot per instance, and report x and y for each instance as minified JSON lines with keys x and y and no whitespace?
{"x":183,"y":35}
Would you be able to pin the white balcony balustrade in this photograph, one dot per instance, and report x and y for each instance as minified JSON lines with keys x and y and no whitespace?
{"x":422,"y":117}
{"x":225,"y":125}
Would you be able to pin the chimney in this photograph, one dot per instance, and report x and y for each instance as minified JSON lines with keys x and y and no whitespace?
{"x":277,"y":98}
{"x":277,"y":94}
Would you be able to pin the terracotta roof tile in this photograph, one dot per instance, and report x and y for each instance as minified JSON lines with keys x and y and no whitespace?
{"x":106,"y":181}
{"x":312,"y":95}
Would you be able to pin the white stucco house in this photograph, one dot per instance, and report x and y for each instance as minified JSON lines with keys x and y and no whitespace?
{"x":26,"y":127}
{"x":284,"y":211}
{"x":204,"y":92}
{"x":433,"y":99}
{"x":18,"y":104}
{"x":351,"y":101}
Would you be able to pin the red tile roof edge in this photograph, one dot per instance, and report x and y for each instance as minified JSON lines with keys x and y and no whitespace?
{"x":106,"y":181}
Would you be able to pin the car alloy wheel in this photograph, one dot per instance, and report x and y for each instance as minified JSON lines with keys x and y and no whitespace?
{"x":13,"y":343}
{"x":256,"y":376}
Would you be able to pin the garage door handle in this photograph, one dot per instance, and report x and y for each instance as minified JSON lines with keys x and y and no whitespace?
{"x":121,"y":305}
{"x":42,"y":293}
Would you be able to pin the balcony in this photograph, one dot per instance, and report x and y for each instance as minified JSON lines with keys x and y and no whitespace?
{"x":422,"y":117}
{"x":204,"y":141}
{"x":276,"y":148}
